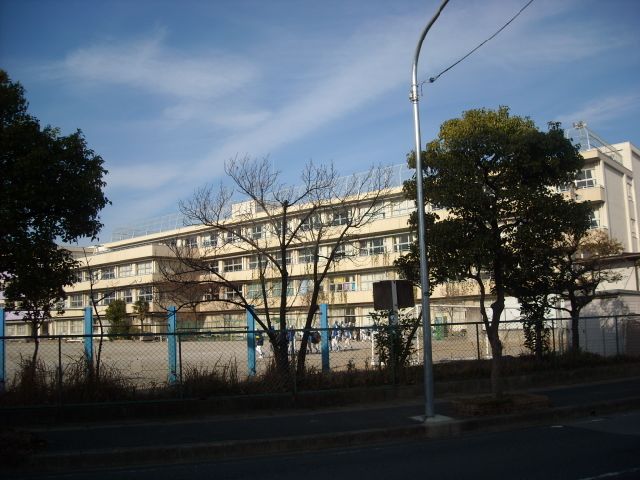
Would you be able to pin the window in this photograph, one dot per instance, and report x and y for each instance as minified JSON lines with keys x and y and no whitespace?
{"x":145,"y":294}
{"x":305,"y":286}
{"x":108,"y":298}
{"x":350,"y":316}
{"x":210,"y":240}
{"x":77,"y":276}
{"x":594,"y":219}
{"x":234,"y":236}
{"x":366,"y":281}
{"x":233,"y":264}
{"x":77,"y":328}
{"x":586,"y":178}
{"x":402,"y":207}
{"x":276,"y":288}
{"x":277,"y":256}
{"x":310,"y":223}
{"x":108,"y":273}
{"x":254,"y":291}
{"x":191,"y":242}
{"x":342,"y":217}
{"x":256,"y":262}
{"x":402,"y":243}
{"x":305,"y":255}
{"x":231,"y":294}
{"x":125,"y":270}
{"x":340,"y":252}
{"x":374,"y":212}
{"x":214,"y":266}
{"x":256,"y":232}
{"x":90,"y":275}
{"x":127,"y":295}
{"x":145,"y":268}
{"x":342,"y":284}
{"x":76,"y":301}
{"x":375,"y":246}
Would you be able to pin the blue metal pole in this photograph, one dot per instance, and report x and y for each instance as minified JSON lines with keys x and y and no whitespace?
{"x":2,"y":353}
{"x":251,"y":342}
{"x":88,"y":336}
{"x":172,"y":346}
{"x":324,"y":328}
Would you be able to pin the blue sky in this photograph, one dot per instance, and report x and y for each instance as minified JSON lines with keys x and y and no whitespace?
{"x":167,"y":91}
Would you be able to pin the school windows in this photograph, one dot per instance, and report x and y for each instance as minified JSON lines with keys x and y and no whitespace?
{"x":127,"y":295}
{"x":76,"y":300}
{"x":305,"y":255}
{"x":256,"y":262}
{"x":256,"y":232}
{"x":343,"y":284}
{"x":145,"y":294}
{"x":374,"y":246}
{"x":210,"y":240}
{"x":233,"y":264}
{"x":586,"y":178}
{"x":108,"y":298}
{"x":144,"y":268}
{"x":367,"y":280}
{"x":125,"y":270}
{"x":342,"y":217}
{"x":402,"y":243}
{"x":232,"y":293}
{"x":108,"y":273}
{"x":402,"y":207}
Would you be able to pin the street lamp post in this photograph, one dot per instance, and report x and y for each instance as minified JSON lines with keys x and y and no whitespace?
{"x":424,"y":275}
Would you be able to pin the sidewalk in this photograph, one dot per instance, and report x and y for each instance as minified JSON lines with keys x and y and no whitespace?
{"x":209,"y":437}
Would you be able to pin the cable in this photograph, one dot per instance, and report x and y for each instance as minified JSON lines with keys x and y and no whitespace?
{"x":433,"y":79}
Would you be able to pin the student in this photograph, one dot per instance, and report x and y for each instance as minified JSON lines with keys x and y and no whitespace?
{"x":259,"y":344}
{"x":335,"y":337}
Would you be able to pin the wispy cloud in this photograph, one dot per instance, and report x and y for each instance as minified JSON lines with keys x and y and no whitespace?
{"x":147,"y":64}
{"x":604,"y":109}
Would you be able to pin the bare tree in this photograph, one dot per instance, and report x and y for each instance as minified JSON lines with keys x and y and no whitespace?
{"x":318,"y":221}
{"x":581,"y":267}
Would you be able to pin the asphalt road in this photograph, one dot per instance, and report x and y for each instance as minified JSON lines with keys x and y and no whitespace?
{"x":589,"y":448}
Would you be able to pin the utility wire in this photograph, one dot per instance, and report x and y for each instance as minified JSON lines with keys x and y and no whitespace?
{"x":433,"y":79}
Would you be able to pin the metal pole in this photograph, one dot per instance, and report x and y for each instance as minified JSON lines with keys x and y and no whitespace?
{"x":424,"y":275}
{"x":172,"y":361}
{"x":3,"y":365}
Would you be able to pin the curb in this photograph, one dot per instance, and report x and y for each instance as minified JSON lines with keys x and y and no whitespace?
{"x":282,"y":445}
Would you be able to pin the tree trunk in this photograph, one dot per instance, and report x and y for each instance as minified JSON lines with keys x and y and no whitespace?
{"x":575,"y":331}
{"x":496,"y":362}
{"x":538,"y":333}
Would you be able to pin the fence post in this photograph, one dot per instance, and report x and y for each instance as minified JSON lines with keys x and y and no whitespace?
{"x":171,"y":346}
{"x":617,"y":336}
{"x":478,"y":340}
{"x":2,"y":353}
{"x":324,"y":327}
{"x":251,"y":342}
{"x":88,"y":337}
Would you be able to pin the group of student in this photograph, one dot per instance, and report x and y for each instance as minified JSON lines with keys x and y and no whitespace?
{"x":339,"y":334}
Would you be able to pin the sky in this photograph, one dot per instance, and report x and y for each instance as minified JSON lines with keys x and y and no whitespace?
{"x":166,"y":92}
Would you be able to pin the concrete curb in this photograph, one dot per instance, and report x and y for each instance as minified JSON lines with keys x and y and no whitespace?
{"x":282,"y":445}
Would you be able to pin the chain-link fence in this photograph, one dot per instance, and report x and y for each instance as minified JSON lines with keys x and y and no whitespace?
{"x":142,"y":359}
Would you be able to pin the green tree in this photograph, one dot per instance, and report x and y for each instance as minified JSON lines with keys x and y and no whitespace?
{"x":141,"y":309}
{"x":51,"y":190}
{"x":494,"y":173}
{"x":116,"y":315}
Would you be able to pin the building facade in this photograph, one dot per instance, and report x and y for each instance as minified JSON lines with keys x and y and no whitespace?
{"x":134,"y":268}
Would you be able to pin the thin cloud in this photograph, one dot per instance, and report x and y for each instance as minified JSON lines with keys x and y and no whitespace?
{"x":148,"y":65}
{"x":605,"y":109}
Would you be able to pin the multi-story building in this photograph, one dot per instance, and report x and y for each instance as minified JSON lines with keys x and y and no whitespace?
{"x":130,"y":267}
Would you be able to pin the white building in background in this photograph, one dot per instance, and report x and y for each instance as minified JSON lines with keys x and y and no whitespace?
{"x":128,"y":267}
